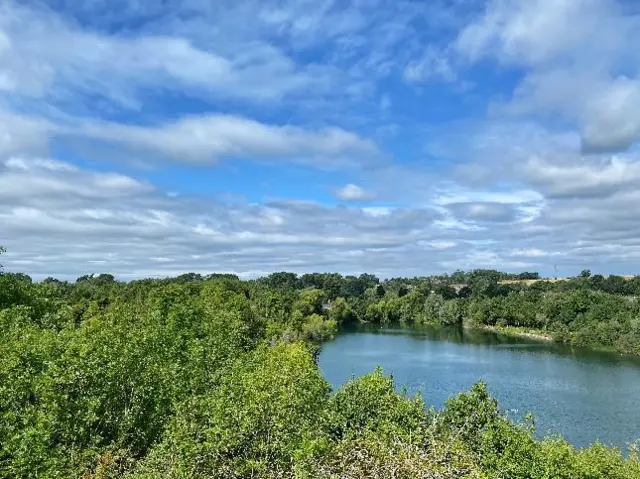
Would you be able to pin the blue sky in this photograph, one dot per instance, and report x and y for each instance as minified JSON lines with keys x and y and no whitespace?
{"x":393,"y":137}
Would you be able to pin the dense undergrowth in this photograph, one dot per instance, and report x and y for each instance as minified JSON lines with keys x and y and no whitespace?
{"x":216,"y":377}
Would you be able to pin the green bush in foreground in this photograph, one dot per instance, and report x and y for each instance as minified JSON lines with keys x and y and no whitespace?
{"x":216,"y":378}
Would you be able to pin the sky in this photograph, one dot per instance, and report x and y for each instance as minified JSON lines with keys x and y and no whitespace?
{"x":394,"y":137}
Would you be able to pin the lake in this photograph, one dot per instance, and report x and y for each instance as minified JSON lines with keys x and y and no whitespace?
{"x":584,"y":395}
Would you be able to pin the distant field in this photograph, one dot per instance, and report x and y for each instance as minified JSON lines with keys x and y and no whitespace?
{"x":549,"y":280}
{"x":531,"y":281}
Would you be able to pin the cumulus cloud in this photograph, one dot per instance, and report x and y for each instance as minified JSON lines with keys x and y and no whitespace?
{"x":539,"y":31}
{"x":480,"y":207}
{"x":574,"y":54}
{"x":602,"y":106}
{"x":488,"y":259}
{"x":351,"y":192}
{"x":250,"y":51}
{"x":567,"y":209}
{"x":121,"y":224}
{"x":439,"y":245}
{"x":612,"y":118}
{"x":578,"y":177}
{"x":255,"y":80}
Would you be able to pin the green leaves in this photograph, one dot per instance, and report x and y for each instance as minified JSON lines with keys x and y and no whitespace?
{"x":263,"y":411}
{"x":371,"y":403}
{"x":207,"y":377}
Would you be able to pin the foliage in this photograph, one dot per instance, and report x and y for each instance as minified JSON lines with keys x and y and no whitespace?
{"x":370,"y":403}
{"x":210,"y":376}
{"x":260,"y":417}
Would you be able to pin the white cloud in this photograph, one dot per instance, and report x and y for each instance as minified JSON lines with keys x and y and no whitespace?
{"x":203,"y":139}
{"x":38,"y":163}
{"x":612,"y":119}
{"x":577,"y":57}
{"x":377,"y":211}
{"x":484,"y":211}
{"x":439,"y":245}
{"x":433,"y":65}
{"x":534,"y":253}
{"x":486,"y":259}
{"x":48,"y":180}
{"x":469,"y":207}
{"x":118,"y":223}
{"x":90,"y":53}
{"x":122,"y":225}
{"x":351,"y":192}
{"x":264,"y":80}
{"x":456,"y":194}
{"x":601,"y":105}
{"x":200,"y":139}
{"x":576,"y":177}
{"x":44,"y":55}
{"x":539,"y":31}
{"x":19,"y":135}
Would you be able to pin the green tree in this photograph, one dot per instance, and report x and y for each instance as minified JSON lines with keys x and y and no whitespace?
{"x":316,"y":328}
{"x":193,"y":377}
{"x":370,"y":403}
{"x":263,"y":414}
{"x":341,"y":312}
{"x":283,"y":280}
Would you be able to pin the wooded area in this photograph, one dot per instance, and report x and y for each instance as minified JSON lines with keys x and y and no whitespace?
{"x":214,"y":377}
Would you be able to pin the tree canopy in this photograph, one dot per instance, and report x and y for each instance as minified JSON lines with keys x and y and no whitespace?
{"x":210,"y":376}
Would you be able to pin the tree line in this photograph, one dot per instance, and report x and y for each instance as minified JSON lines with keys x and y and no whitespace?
{"x":215,"y":377}
{"x":588,"y":310}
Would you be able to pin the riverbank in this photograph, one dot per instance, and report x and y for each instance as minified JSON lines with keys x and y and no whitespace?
{"x":513,"y":331}
{"x":539,"y":335}
{"x":548,"y":379}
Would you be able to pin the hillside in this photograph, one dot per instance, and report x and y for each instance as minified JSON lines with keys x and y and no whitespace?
{"x":215,"y":377}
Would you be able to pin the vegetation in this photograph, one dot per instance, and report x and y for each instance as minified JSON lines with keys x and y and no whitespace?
{"x":589,"y":310}
{"x":214,"y":377}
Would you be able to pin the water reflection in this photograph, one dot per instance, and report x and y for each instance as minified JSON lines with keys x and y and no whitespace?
{"x":583,"y":394}
{"x":479,"y":337}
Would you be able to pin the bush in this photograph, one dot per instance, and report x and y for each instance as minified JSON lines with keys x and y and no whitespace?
{"x":262,"y":415}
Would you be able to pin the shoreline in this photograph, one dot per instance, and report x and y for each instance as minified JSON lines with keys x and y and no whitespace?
{"x":514,"y":332}
{"x":524,"y":333}
{"x":538,"y":335}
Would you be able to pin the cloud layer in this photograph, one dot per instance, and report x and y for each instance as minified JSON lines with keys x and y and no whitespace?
{"x":394,"y":137}
{"x":579,"y":63}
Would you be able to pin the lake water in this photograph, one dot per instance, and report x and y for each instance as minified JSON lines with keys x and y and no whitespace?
{"x":584,"y":395}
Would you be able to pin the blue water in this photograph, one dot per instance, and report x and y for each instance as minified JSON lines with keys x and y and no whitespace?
{"x":584,"y":395}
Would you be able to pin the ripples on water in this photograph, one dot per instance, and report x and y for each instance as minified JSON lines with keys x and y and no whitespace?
{"x":582,"y":394}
